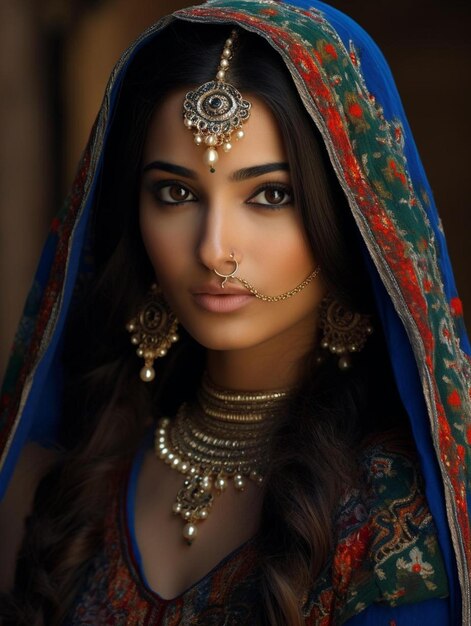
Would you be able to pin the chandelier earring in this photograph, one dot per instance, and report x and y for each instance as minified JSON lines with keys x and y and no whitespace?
{"x":343,"y":331}
{"x":153,"y":330}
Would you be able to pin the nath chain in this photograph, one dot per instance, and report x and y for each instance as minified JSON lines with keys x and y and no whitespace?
{"x":283,"y":296}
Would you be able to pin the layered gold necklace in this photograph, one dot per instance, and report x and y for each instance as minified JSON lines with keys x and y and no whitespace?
{"x":220,"y":439}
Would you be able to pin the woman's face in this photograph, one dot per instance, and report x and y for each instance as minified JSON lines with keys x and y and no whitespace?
{"x":192,"y":220}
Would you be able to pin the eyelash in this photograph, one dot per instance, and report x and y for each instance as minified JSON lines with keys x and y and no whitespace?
{"x":285,"y":189}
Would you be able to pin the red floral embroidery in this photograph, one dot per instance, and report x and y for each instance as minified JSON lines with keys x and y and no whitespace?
{"x":330,"y":49}
{"x":456,"y":307}
{"x":268,"y":12}
{"x":396,"y":172}
{"x":427,"y":285}
{"x":454,"y":399}
{"x":355,"y":110}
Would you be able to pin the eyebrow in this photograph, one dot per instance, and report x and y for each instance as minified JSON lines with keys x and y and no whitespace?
{"x":237,"y":176}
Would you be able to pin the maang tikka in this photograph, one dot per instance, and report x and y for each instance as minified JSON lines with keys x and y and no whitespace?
{"x":153,"y":330}
{"x":216,"y":110}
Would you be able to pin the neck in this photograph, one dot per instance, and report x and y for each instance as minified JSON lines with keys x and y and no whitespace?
{"x":275,"y":364}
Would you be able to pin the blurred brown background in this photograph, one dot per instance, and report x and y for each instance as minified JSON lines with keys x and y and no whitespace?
{"x":55,"y":58}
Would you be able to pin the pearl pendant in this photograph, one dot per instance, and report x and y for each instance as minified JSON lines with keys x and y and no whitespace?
{"x":189,"y":533}
{"x":147,"y":374}
{"x":211,"y":157}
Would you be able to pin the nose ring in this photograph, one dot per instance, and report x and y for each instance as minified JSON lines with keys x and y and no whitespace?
{"x":227,"y":276}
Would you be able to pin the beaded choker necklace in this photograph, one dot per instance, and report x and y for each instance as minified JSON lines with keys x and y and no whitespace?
{"x":221,"y":438}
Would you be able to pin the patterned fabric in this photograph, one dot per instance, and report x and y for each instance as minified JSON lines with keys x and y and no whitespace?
{"x":387,"y":548}
{"x":348,"y":91}
{"x":386,"y":552}
{"x":115,"y":594}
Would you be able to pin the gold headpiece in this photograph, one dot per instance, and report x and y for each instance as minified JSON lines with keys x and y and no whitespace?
{"x":216,"y":110}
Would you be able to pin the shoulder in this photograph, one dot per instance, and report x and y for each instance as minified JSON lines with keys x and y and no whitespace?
{"x":17,"y":504}
{"x":386,"y":549}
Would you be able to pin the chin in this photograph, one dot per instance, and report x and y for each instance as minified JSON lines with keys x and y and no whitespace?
{"x":215,"y":337}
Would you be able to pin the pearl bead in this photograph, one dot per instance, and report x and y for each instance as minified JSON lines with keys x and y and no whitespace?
{"x":187,"y":514}
{"x":147,"y":374}
{"x":229,"y":42}
{"x":206,"y":483}
{"x":211,"y":140}
{"x":183,"y":467}
{"x":203,"y":514}
{"x":189,"y":532}
{"x":198,"y":140}
{"x":162,"y":351}
{"x":188,"y":123}
{"x":227,"y":146}
{"x":177,"y":508}
{"x":224,"y":64}
{"x":211,"y":156}
{"x":174,"y":338}
{"x":344,"y":363}
{"x":221,"y":75}
{"x":140,"y":352}
{"x":130,"y":327}
{"x":226,"y":53}
{"x":240,"y":134}
{"x":239,"y":482}
{"x":163,"y":453}
{"x":135,"y":339}
{"x":221,"y":483}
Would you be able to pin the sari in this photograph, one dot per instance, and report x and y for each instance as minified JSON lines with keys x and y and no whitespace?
{"x":348,"y":91}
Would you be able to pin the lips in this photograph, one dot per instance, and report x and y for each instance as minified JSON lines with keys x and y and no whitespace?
{"x":216,"y":299}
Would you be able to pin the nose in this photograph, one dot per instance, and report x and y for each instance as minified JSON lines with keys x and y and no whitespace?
{"x":216,"y":245}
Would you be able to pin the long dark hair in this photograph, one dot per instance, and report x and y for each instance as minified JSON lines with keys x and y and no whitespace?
{"x":106,"y":407}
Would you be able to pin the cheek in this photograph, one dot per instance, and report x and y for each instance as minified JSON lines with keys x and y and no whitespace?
{"x":165,"y":242}
{"x":287,"y":252}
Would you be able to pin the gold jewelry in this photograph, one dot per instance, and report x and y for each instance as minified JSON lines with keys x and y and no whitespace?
{"x":283,"y":296}
{"x":231,"y":275}
{"x":344,"y":331}
{"x":154,"y":330}
{"x":216,"y":110}
{"x":223,"y":436}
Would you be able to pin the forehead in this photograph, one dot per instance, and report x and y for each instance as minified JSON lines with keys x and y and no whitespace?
{"x":170,"y":140}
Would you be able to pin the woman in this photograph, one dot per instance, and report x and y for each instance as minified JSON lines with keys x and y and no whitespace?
{"x":299,"y":455}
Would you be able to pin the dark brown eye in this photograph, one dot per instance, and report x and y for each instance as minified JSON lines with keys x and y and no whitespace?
{"x":178,"y":193}
{"x":174,"y":193}
{"x":275,"y":196}
{"x":272,"y":197}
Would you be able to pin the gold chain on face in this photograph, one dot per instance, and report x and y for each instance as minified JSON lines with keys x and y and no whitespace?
{"x":223,"y":438}
{"x":283,"y":296}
